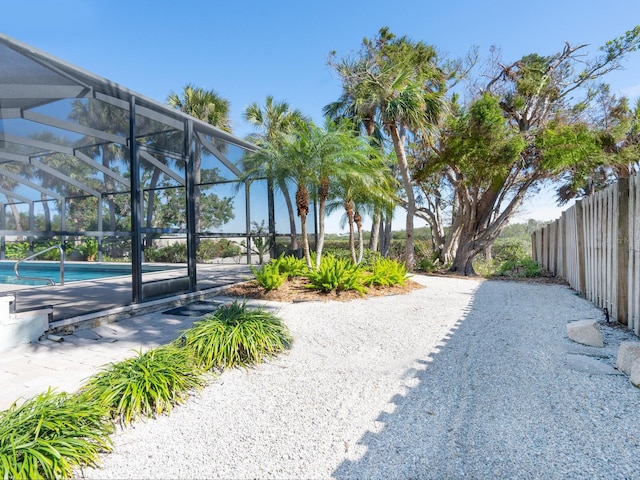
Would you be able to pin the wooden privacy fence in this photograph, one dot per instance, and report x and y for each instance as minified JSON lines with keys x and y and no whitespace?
{"x":595,"y":246}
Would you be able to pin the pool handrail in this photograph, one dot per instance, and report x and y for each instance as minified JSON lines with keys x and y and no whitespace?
{"x":48,"y":280}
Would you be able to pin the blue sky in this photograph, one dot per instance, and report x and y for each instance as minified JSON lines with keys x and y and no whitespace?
{"x":246,"y":50}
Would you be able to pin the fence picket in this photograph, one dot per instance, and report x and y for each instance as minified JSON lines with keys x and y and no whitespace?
{"x":595,"y":246}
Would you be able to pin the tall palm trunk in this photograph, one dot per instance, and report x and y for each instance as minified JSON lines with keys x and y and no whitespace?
{"x":358,"y":221}
{"x":151,"y":203}
{"x":47,"y":212}
{"x":403,"y":164}
{"x":109,"y":186}
{"x":374,"y":239}
{"x":385,"y":242}
{"x":349,"y":210}
{"x":16,"y":218}
{"x":292,"y":218}
{"x":323,"y":194}
{"x":302,"y":203}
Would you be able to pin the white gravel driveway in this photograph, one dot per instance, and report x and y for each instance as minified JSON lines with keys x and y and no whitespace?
{"x":461,"y":379}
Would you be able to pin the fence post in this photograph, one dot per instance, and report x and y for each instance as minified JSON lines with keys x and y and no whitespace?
{"x":623,"y":251}
{"x":580,"y":246}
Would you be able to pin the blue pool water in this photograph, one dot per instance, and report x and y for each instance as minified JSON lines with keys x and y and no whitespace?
{"x":72,"y":271}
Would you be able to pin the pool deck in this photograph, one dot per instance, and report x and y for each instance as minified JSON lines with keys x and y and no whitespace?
{"x":29,"y":369}
{"x":76,"y":299}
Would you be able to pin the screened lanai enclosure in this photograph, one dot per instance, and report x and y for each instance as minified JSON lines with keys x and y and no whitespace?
{"x":96,"y":173}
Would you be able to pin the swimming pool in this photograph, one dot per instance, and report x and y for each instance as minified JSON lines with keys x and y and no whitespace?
{"x":73,"y":271}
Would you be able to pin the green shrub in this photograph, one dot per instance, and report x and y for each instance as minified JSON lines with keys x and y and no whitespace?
{"x":387,"y":273}
{"x":145,"y":385}
{"x":207,"y":249}
{"x":222,"y":248}
{"x":89,"y":249}
{"x":269,"y":276}
{"x":523,"y":267}
{"x":236,"y":336}
{"x":50,"y":434}
{"x":337,"y":274}
{"x":174,"y":253}
{"x":291,"y":266}
{"x":510,"y":250}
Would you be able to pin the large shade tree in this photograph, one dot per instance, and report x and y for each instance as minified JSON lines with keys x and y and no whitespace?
{"x":545,"y":100}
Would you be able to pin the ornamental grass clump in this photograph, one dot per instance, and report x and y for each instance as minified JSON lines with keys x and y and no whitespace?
{"x":387,"y":272}
{"x":51,"y":434}
{"x":235,"y":336}
{"x":145,"y":385}
{"x":336,"y":274}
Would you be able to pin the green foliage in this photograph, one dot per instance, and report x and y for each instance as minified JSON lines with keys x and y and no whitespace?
{"x":16,"y":250}
{"x":511,"y":250}
{"x":291,"y":266}
{"x":337,"y":274}
{"x":523,"y":267}
{"x":224,"y":248}
{"x":342,"y":251}
{"x":89,"y":248}
{"x":387,"y":273}
{"x":50,"y":434}
{"x":236,"y":336}
{"x":207,"y":249}
{"x":269,"y":276}
{"x":20,"y":250}
{"x":567,"y":146}
{"x":260,"y":243}
{"x":175,"y":253}
{"x":484,"y":146}
{"x":145,"y":385}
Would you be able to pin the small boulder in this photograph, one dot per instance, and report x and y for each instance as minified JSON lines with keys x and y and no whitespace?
{"x":586,"y":332}
{"x":628,"y":353}
{"x":634,"y":376}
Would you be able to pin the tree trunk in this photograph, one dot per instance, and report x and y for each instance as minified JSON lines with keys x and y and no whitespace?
{"x":150,"y":205}
{"x":302,"y":203}
{"x":385,"y":243}
{"x":109,"y":186}
{"x":348,"y":207}
{"x":47,"y":213}
{"x":358,"y":220}
{"x":323,"y":194}
{"x":292,"y":218}
{"x":305,"y":240}
{"x":398,"y":143}
{"x":463,"y":261}
{"x":16,"y":218}
{"x":374,"y":239}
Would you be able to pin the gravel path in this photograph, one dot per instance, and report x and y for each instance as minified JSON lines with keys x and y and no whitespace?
{"x":461,"y":379}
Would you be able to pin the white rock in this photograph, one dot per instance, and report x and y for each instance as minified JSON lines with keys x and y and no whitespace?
{"x":634,"y":376}
{"x":628,"y":353}
{"x":586,"y":332}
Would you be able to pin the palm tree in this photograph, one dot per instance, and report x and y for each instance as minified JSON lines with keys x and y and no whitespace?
{"x":209,"y":107}
{"x":369,"y":188}
{"x":107,"y":118}
{"x":401,"y":80}
{"x":271,"y":121}
{"x":312,"y":158}
{"x":343,"y":158}
{"x":359,"y":107}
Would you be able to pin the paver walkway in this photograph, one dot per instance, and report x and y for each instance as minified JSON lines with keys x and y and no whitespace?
{"x":32,"y":368}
